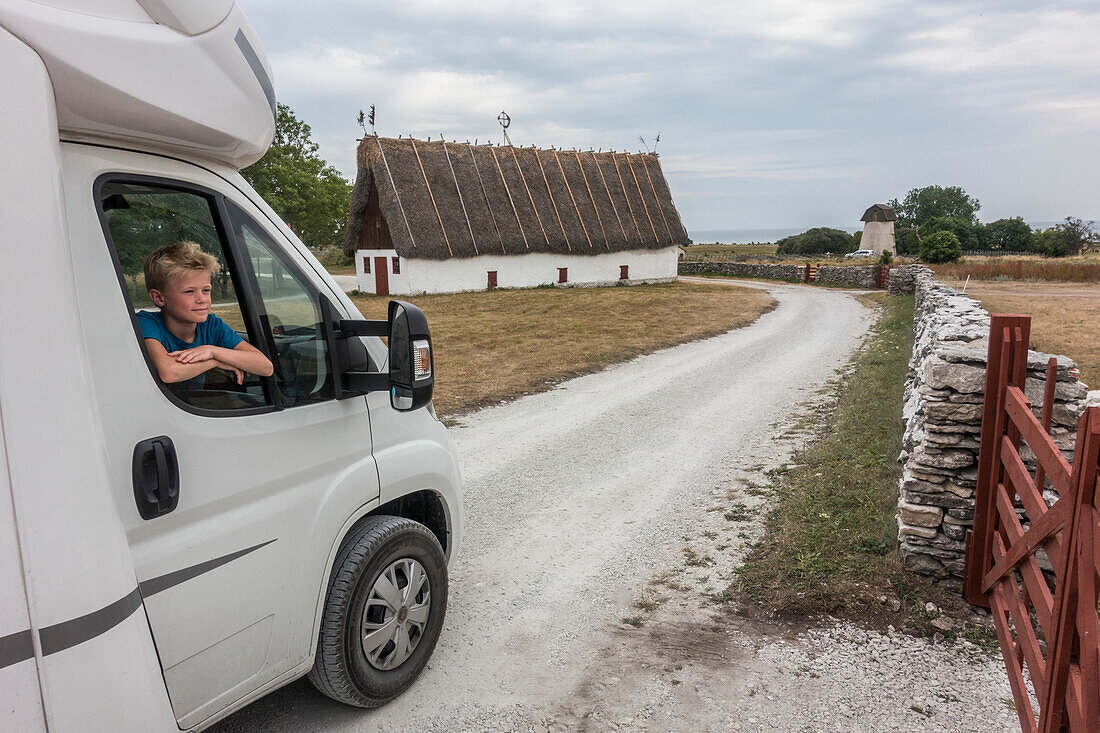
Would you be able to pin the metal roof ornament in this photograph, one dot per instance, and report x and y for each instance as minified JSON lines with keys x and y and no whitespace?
{"x":505,"y":121}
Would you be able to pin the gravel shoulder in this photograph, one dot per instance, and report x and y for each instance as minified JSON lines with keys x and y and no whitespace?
{"x":603,"y":516}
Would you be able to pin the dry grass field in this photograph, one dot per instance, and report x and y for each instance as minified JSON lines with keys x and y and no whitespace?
{"x":494,"y":346}
{"x":1065,"y":316}
{"x":696,"y":252}
{"x":1082,"y":268}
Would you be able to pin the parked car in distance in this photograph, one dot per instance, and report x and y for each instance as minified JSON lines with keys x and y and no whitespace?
{"x":860,"y":253}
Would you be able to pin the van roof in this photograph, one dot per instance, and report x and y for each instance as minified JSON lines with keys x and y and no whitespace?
{"x":194,"y":77}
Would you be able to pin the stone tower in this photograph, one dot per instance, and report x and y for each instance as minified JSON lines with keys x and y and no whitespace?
{"x":878,"y":229}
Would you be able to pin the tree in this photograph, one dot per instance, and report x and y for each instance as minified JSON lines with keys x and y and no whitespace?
{"x":922,"y":204}
{"x":1008,"y":235}
{"x":942,"y":246}
{"x":906,"y":240}
{"x":816,"y":241}
{"x":967,"y":232}
{"x":309,"y":194}
{"x":1068,"y":238}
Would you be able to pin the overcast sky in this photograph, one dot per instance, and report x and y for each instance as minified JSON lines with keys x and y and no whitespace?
{"x":782,"y":113}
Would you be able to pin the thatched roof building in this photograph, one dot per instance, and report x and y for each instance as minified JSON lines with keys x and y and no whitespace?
{"x":434,"y":200}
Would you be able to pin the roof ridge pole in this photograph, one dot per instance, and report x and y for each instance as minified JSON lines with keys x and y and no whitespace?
{"x":432,"y":197}
{"x":609,"y":197}
{"x":655,"y":198}
{"x":459,"y":190}
{"x":530,"y":197}
{"x":672,"y":201}
{"x":510,"y":199}
{"x":552,"y":202}
{"x":626,"y":196}
{"x":574,"y":200}
{"x":485,"y":193}
{"x":642,"y":197}
{"x":395,"y":193}
{"x":592,"y":198}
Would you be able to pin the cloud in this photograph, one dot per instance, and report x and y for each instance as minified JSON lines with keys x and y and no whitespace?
{"x":788,"y":96}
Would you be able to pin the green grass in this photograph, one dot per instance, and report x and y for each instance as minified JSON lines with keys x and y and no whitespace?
{"x":832,"y":529}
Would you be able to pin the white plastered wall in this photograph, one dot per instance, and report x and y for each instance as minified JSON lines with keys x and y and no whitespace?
{"x":518,"y":271}
{"x":878,"y":236}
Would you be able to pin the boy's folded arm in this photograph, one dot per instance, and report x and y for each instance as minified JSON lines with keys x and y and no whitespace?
{"x":247,"y":357}
{"x":171,"y":371}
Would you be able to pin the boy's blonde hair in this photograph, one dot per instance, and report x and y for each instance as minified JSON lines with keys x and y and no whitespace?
{"x":172,"y":260}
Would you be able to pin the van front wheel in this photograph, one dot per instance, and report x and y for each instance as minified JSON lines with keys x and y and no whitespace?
{"x":383,"y":612}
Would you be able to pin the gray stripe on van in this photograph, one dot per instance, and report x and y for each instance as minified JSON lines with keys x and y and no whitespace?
{"x":253,"y":60}
{"x":15,"y":648}
{"x":66,"y":634}
{"x":169,"y":580}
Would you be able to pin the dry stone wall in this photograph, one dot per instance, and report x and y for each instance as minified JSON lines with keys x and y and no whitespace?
{"x":858,"y":276}
{"x":943,"y":414}
{"x":746,"y":269}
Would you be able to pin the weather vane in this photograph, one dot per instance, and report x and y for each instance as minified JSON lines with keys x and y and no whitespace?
{"x":505,"y":121}
{"x":368,"y":119}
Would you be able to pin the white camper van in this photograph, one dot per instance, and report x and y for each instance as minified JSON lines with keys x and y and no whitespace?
{"x":169,"y":554}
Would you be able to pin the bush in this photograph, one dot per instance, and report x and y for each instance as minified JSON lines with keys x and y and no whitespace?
{"x":940,"y":247}
{"x":816,"y":241}
{"x":334,"y":256}
{"x":886,"y":257}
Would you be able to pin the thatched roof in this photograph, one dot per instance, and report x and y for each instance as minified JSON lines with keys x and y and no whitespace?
{"x":879,"y":212}
{"x":435,"y":200}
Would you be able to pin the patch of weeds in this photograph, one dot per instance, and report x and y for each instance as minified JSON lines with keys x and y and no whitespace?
{"x":695,"y":560}
{"x":723,"y":597}
{"x":926,"y":712}
{"x":738,"y":513}
{"x":710,"y":535}
{"x":635,"y":621}
{"x":756,"y":490}
{"x":648,"y":604}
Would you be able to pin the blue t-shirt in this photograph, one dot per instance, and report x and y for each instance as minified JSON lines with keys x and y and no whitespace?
{"x":211,"y":332}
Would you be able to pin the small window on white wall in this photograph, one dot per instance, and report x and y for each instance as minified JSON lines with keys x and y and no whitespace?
{"x":366,"y":265}
{"x":563,"y":274}
{"x":624,"y":272}
{"x":396,"y":265}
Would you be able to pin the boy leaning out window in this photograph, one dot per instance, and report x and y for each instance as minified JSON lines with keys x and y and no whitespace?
{"x":184,"y":339}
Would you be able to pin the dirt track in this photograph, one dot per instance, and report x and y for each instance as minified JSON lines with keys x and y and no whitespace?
{"x":596,"y":503}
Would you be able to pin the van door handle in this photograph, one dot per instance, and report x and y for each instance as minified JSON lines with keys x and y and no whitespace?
{"x":156,"y":477}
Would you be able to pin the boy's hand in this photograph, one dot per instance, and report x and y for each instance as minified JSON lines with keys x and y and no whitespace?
{"x":233,"y":372}
{"x":197,"y":354}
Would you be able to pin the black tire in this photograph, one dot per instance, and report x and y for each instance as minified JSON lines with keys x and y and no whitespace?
{"x":377,"y":545}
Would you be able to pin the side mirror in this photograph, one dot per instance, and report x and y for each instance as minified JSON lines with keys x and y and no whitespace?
{"x":410,"y":380}
{"x":411,"y":377}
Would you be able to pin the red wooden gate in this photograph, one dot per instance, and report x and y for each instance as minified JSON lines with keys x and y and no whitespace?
{"x":811,"y":273}
{"x":1046,"y":621}
{"x":883,"y":276}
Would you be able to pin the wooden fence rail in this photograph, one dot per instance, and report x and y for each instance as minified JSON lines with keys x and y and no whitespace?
{"x":1046,"y":620}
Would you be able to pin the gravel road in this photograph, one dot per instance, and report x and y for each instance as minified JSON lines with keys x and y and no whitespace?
{"x":607,"y":500}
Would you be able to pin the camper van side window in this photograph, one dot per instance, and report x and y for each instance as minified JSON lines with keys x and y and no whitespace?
{"x":174,"y":309}
{"x":290,"y":314}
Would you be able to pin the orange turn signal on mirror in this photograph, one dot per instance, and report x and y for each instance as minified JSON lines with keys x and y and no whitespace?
{"x":422,"y":359}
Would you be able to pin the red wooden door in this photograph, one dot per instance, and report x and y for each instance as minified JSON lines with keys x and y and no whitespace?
{"x":381,"y":276}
